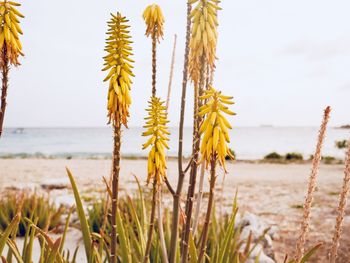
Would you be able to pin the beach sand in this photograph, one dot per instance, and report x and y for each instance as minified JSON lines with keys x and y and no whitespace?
{"x":275,"y":192}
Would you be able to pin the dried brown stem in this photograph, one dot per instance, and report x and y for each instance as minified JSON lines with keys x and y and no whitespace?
{"x":300,"y":247}
{"x":170,"y":188}
{"x":171,"y":72}
{"x":115,"y":187}
{"x":176,"y":203}
{"x":5,"y":72}
{"x":151,"y":223}
{"x":341,"y":209}
{"x":194,"y":165}
{"x":209,"y":210}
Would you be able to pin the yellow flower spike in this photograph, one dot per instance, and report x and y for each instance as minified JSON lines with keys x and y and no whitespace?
{"x":154,"y":19}
{"x":10,"y":31}
{"x":203,"y":35}
{"x":156,"y":128}
{"x":215,"y":127}
{"x":119,"y":66}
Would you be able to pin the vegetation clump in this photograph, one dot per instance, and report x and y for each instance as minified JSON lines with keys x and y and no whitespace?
{"x":341,"y":144}
{"x":294,"y":156}
{"x":31,"y":206}
{"x":273,"y":156}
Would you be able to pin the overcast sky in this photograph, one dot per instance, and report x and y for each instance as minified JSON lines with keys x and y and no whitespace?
{"x":283,"y":61}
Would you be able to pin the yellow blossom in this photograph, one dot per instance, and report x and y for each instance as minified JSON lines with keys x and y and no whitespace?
{"x":203,"y":36}
{"x":119,"y":66}
{"x":215,"y":127}
{"x":10,"y":31}
{"x":154,"y":19}
{"x":156,"y":129}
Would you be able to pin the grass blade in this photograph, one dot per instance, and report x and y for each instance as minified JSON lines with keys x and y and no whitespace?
{"x":82,"y":218}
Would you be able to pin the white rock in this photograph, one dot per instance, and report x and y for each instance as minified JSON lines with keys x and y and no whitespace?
{"x":258,"y":251}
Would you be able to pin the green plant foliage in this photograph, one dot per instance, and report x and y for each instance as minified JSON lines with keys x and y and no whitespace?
{"x":273,"y":156}
{"x":341,"y":144}
{"x":32,"y":206}
{"x":96,"y":213}
{"x":329,"y":159}
{"x":294,"y":156}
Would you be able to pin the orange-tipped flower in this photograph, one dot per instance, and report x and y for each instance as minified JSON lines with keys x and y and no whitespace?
{"x":156,"y":126}
{"x":154,"y":19}
{"x":119,"y":65}
{"x":10,"y":31}
{"x":215,"y":127}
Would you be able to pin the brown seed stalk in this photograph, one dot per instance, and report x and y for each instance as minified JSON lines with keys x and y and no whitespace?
{"x":171,"y":72}
{"x":341,"y":208}
{"x":300,"y":246}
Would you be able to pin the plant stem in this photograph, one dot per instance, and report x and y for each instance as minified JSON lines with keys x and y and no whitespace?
{"x":209,"y":209}
{"x":300,"y":247}
{"x":151,"y":223}
{"x":341,"y":208}
{"x":194,"y":165}
{"x":177,"y":195}
{"x":5,"y":72}
{"x":154,"y":63}
{"x":171,"y":72}
{"x":115,"y":186}
{"x":160,"y":227}
{"x":199,"y":199}
{"x":208,"y":82}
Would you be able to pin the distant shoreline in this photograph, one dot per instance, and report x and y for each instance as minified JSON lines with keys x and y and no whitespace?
{"x":39,"y":156}
{"x":345,"y":127}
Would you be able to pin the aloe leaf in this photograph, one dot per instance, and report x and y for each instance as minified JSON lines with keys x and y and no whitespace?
{"x":54,"y":250}
{"x":142,"y":239}
{"x":228,"y":236}
{"x":8,"y":231}
{"x":74,"y":259}
{"x":82,"y":218}
{"x":143,"y":206}
{"x":310,"y":253}
{"x":192,"y":250}
{"x":29,"y":248}
{"x":124,"y":245}
{"x":65,"y":230}
{"x":14,"y":251}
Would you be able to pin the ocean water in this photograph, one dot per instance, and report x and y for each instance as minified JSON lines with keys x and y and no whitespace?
{"x":248,"y":142}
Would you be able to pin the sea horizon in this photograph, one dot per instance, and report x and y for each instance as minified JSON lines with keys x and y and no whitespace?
{"x":248,"y":143}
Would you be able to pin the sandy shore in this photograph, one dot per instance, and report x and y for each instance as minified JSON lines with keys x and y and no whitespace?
{"x":275,"y":192}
